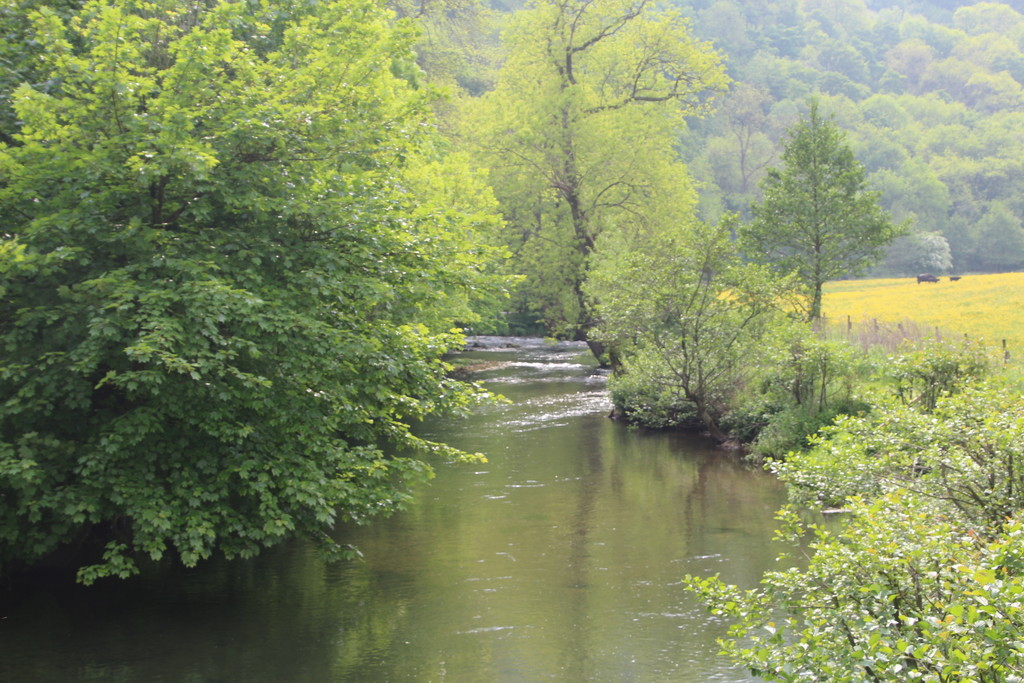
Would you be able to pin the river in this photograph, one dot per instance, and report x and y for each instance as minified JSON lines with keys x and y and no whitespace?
{"x":560,"y":559}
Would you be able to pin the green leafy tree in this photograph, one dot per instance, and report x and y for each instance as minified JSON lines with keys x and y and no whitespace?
{"x":919,"y":252}
{"x":817,"y":219}
{"x":686,"y":316}
{"x":227,"y":274}
{"x":988,"y":18}
{"x":579,"y":134}
{"x":458,"y":41}
{"x":21,"y":57}
{"x":1000,"y":242}
{"x":911,"y":191}
{"x":911,"y":59}
{"x":745,"y":148}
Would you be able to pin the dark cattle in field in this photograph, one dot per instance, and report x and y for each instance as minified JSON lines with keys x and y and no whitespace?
{"x":926,"y":277}
{"x":954,"y":278}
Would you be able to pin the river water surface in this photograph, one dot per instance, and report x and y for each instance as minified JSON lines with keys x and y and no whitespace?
{"x":559,"y":559}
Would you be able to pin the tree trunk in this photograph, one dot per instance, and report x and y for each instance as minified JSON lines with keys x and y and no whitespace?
{"x":606,"y":355}
{"x":708,"y":419}
{"x":815,"y":312}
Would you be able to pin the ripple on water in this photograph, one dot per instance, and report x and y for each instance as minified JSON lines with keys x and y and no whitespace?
{"x":484,"y":629}
{"x":512,"y":380}
{"x":543,"y":412}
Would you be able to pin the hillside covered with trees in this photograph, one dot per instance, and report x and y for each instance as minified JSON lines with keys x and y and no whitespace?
{"x":929,"y":93}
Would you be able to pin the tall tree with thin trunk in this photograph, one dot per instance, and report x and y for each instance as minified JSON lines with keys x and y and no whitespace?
{"x":818,"y":219}
{"x":579,"y":135}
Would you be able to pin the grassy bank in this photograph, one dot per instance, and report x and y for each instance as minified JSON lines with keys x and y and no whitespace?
{"x":985,"y":307}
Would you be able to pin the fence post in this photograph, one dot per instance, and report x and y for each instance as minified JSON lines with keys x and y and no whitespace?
{"x":1006,"y":353}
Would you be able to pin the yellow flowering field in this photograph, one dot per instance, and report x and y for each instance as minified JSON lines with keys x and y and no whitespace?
{"x":989,"y":307}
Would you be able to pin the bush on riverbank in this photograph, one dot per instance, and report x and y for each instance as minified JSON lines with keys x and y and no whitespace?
{"x":800,"y":379}
{"x":898,"y":594}
{"x":791,"y":383}
{"x":922,"y":578}
{"x":653,"y":406}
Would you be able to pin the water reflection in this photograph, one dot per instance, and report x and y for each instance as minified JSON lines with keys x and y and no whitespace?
{"x":559,"y":559}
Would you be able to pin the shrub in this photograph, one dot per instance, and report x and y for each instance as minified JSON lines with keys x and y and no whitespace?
{"x":898,"y":594}
{"x":967,"y":453}
{"x":925,"y":371}
{"x":651,"y":405}
{"x":793,"y":428}
{"x":808,"y":382}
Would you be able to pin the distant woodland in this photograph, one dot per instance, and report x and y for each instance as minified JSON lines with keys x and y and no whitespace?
{"x":930,"y":94}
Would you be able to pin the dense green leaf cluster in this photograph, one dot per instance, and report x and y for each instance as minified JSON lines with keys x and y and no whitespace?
{"x":895,"y":595}
{"x":230,"y":262}
{"x":966,"y":453}
{"x":806,"y":381}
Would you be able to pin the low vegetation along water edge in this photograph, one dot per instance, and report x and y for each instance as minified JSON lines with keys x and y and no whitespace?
{"x":922,"y":577}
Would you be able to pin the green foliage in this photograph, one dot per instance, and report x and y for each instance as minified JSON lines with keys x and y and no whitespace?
{"x":227,"y":273}
{"x":919,"y":252}
{"x":805,"y":382}
{"x":22,"y":58}
{"x":818,"y":219}
{"x":966,"y":453}
{"x":858,"y":455}
{"x":930,"y":369}
{"x":1003,"y":234}
{"x":642,"y":402}
{"x":578,"y":135}
{"x":866,"y":452}
{"x":456,"y":46}
{"x":929,"y":98}
{"x":781,"y":430}
{"x":811,"y":372}
{"x":686,"y":316}
{"x":897,"y":594}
